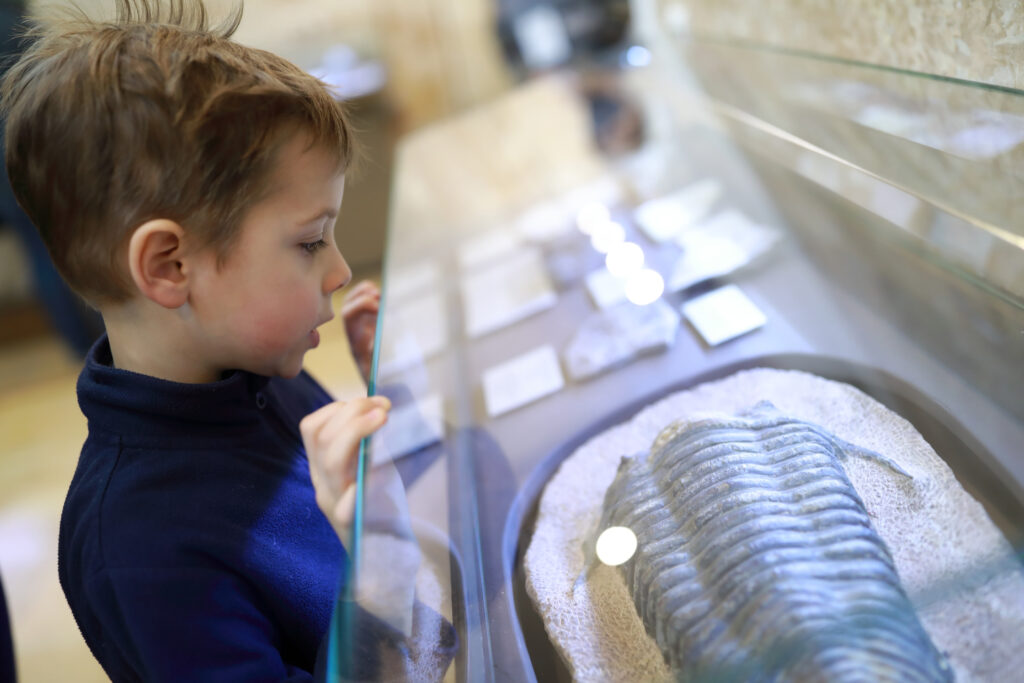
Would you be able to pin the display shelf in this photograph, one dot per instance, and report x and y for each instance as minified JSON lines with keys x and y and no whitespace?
{"x":895,"y":265}
{"x":956,"y":144}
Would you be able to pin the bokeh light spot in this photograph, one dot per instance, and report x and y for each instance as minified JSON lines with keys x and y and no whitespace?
{"x":644,"y":287}
{"x":616,"y":545}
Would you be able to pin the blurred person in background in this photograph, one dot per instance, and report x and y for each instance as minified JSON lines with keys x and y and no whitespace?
{"x":76,"y":323}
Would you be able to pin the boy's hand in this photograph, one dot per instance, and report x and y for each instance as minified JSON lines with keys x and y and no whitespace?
{"x":331,"y":436}
{"x":359,"y":312}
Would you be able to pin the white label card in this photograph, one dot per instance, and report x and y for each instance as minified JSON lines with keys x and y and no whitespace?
{"x":522,"y":380}
{"x":719,"y":245}
{"x":506,"y":292}
{"x":723,"y":314}
{"x":661,"y":219}
{"x":705,"y":256}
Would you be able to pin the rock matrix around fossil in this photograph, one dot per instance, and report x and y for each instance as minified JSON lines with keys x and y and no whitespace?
{"x":757,"y":560}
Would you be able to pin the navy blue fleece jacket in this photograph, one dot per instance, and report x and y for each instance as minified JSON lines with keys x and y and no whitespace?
{"x":191,"y":546}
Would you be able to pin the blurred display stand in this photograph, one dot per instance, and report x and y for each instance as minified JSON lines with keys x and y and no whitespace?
{"x":537,"y":35}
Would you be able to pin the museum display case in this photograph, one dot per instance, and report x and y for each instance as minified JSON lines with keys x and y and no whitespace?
{"x":599,"y":254}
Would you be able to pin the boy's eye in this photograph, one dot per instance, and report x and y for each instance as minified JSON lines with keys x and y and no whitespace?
{"x":313,"y":247}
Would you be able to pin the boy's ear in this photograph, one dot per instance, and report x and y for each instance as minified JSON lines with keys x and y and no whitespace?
{"x":155,"y":254}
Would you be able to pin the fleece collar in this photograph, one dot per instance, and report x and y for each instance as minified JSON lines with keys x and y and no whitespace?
{"x":133,"y":404}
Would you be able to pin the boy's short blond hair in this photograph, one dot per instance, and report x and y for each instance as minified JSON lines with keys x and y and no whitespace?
{"x":153,"y":115}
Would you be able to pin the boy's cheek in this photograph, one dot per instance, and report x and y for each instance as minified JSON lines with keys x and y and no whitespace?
{"x":268,"y":336}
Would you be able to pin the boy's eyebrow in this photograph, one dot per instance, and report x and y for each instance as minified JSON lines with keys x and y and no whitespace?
{"x":326,"y":213}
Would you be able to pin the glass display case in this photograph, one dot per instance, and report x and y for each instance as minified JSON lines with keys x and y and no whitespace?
{"x":554,"y":268}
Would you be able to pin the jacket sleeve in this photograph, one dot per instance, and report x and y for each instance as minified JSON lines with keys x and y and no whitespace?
{"x":187,"y":625}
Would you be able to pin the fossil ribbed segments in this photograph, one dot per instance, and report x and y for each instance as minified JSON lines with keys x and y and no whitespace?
{"x":757,"y":560}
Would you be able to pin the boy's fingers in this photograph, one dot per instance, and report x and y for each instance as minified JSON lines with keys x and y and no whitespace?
{"x":361,"y":286}
{"x":358,"y":428}
{"x":368,"y":286}
{"x":319,"y":484}
{"x":332,"y":435}
{"x":364,"y":287}
{"x":311,"y":425}
{"x":343,"y":513}
{"x":341,"y":459}
{"x":340,"y":420}
{"x":363,"y":304}
{"x":360,"y":306}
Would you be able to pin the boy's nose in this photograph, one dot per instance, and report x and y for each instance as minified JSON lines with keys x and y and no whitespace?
{"x":338,"y":274}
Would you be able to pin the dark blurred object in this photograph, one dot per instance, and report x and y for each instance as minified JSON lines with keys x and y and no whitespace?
{"x":73,"y":320}
{"x":78,"y":324}
{"x":541,"y":34}
{"x":591,"y":35}
{"x":618,"y":120}
{"x":7,"y":670}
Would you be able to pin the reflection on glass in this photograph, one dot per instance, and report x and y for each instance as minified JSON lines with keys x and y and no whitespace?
{"x":624,"y":259}
{"x":592,"y":216}
{"x":615,"y":545}
{"x":644,"y":287}
{"x":606,"y":235}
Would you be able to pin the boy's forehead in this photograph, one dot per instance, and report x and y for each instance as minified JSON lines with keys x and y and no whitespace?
{"x":305,"y":167}
{"x":301,"y":141}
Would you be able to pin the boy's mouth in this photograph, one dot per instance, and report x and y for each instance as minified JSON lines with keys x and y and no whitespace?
{"x":314,"y":339}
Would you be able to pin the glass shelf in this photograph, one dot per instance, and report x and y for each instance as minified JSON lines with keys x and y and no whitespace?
{"x":875,"y":226}
{"x":954,"y":145}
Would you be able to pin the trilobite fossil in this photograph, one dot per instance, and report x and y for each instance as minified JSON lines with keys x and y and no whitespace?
{"x":757,"y":560}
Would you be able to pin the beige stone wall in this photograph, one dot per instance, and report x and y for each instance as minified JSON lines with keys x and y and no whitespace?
{"x":485,"y":164}
{"x":441,"y":56}
{"x":978,"y":40}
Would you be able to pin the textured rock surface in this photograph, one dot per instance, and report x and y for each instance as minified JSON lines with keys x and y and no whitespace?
{"x":979,"y":41}
{"x":757,"y":558}
{"x":954,"y":564}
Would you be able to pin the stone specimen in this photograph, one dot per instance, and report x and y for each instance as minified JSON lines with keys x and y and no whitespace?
{"x":614,"y":336}
{"x":757,"y":560}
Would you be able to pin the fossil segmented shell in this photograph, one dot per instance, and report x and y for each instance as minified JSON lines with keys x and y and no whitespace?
{"x":756,"y":558}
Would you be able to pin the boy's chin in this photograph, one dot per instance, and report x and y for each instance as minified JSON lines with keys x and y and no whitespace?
{"x":290,"y":372}
{"x":286,"y":369}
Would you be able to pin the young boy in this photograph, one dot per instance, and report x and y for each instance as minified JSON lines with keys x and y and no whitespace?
{"x":187,"y":187}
